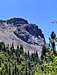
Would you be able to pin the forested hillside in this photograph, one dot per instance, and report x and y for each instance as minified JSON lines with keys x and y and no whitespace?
{"x":17,"y":62}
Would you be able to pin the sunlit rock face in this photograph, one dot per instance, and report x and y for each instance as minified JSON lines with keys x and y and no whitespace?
{"x":19,"y":31}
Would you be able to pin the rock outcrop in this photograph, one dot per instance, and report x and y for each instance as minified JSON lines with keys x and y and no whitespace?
{"x":19,"y":31}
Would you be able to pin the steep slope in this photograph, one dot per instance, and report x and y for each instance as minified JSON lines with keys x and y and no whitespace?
{"x":19,"y":31}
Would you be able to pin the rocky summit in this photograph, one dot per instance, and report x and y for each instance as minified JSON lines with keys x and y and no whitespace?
{"x":19,"y":31}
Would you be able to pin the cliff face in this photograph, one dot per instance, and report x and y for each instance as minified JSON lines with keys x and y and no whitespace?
{"x":19,"y":31}
{"x":30,"y":34}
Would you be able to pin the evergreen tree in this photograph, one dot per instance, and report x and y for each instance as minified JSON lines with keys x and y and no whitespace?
{"x":6,"y":67}
{"x":28,"y":54}
{"x":53,"y":36}
{"x":43,"y":52}
{"x":52,"y":41}
{"x":17,"y":51}
{"x":17,"y":59}
{"x":12,"y":49}
{"x":16,"y":70}
{"x":1,"y":43}
{"x":36,"y":54}
{"x":21,"y":49}
{"x":2,"y":46}
{"x":26,"y":70}
{"x":36,"y":57}
{"x":1,"y":73}
{"x":13,"y":72}
{"x":7,"y":49}
{"x":9,"y":71}
{"x":25,"y":54}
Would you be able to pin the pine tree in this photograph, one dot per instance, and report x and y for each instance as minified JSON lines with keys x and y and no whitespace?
{"x":16,"y":70}
{"x":21,"y":49}
{"x":9,"y":71}
{"x":28,"y":54}
{"x":7,"y":49}
{"x":25,"y":54}
{"x":52,"y":41}
{"x":2,"y":46}
{"x":17,"y":51}
{"x":6,"y":67}
{"x":36,"y":57}
{"x":36,"y":54}
{"x":43,"y":52}
{"x":26,"y":70}
{"x":13,"y":72}
{"x":12,"y":49}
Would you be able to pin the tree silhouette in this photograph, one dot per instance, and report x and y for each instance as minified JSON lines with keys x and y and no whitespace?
{"x":17,"y":51}
{"x":12,"y":49}
{"x":43,"y":52}
{"x":52,"y":41}
{"x":2,"y":46}
{"x":21,"y":49}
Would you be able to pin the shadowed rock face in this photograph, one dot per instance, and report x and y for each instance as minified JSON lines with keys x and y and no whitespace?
{"x":29,"y":33}
{"x":17,"y":21}
{"x":19,"y":31}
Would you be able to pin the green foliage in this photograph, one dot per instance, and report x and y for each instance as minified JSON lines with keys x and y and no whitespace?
{"x":24,"y":64}
{"x":49,"y":65}
{"x":15,"y":61}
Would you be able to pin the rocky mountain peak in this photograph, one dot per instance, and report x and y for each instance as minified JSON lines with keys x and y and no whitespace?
{"x":19,"y":31}
{"x":15,"y":21}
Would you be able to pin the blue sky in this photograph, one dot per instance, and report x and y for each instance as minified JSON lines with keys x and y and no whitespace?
{"x":40,"y":12}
